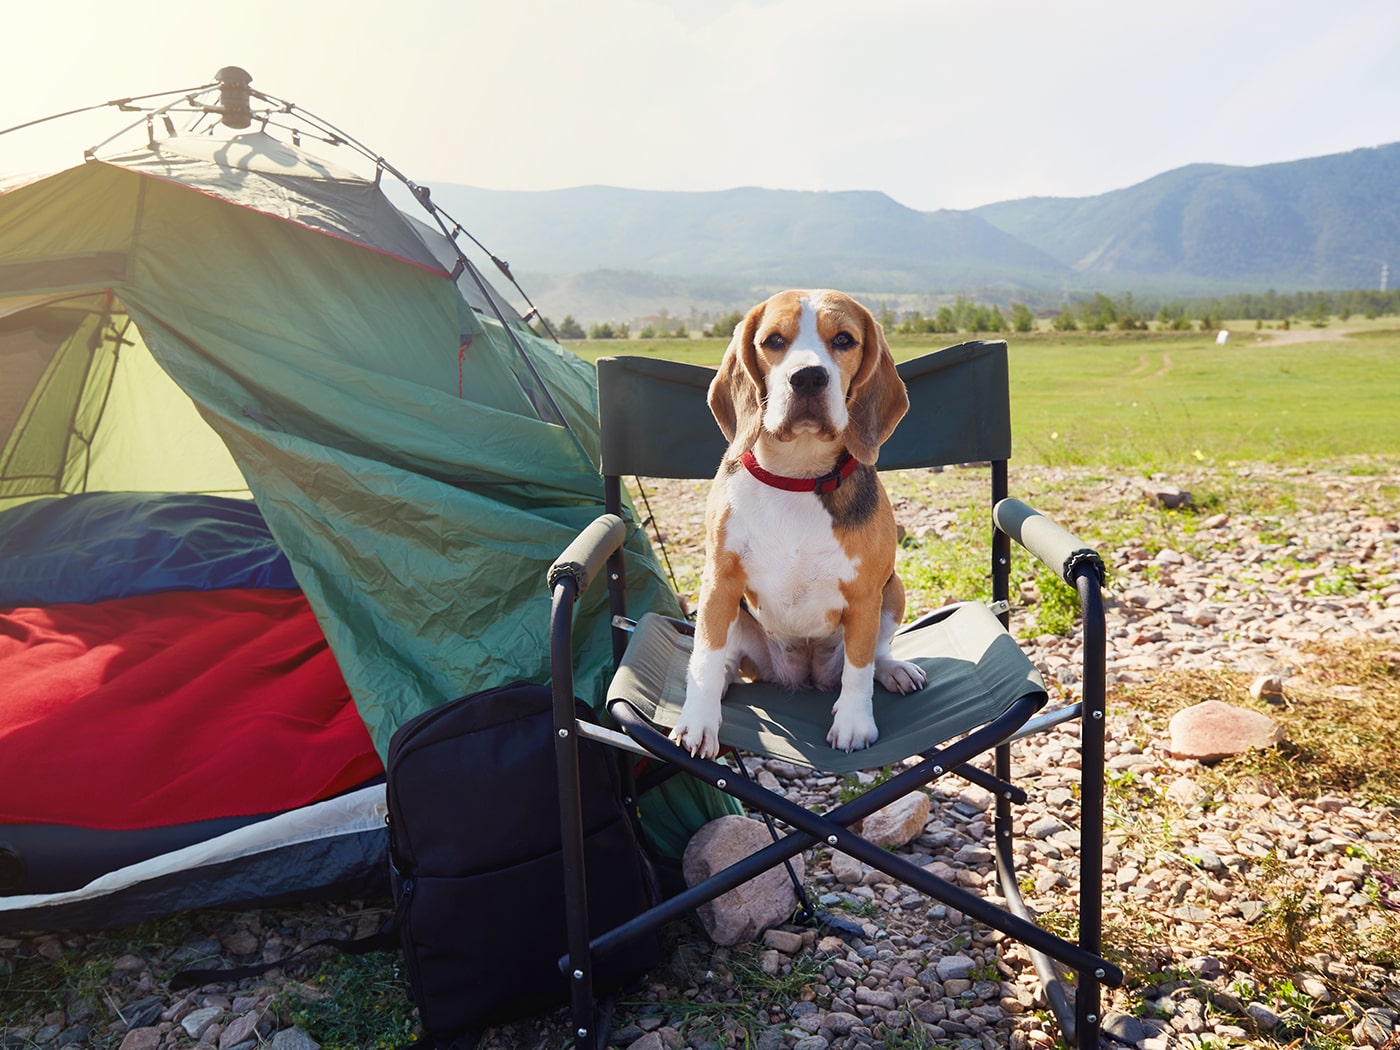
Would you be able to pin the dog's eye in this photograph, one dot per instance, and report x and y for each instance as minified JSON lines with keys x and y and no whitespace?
{"x":843,"y":341}
{"x":775,"y":342}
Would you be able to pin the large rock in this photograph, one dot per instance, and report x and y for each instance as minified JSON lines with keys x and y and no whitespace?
{"x":900,"y":822}
{"x":139,"y":1039}
{"x":847,"y":869}
{"x":1213,"y":730}
{"x":1163,"y":495}
{"x":240,"y":1030}
{"x":747,"y":910}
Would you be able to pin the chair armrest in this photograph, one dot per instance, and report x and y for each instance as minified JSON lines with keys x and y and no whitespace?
{"x":1054,"y":545}
{"x":589,"y":552}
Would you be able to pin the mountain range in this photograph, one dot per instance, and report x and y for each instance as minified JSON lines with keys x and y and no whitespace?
{"x":603,"y":253}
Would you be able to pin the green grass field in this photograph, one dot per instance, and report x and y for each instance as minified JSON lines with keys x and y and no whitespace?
{"x":1154,"y":400}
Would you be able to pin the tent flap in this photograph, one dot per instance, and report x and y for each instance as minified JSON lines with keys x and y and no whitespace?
{"x":420,"y":463}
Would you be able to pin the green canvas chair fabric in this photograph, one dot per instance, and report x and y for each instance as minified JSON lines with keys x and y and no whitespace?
{"x":655,"y":421}
{"x":975,"y":672}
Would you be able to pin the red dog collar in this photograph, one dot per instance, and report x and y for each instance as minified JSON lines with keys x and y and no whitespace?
{"x":827,"y":483}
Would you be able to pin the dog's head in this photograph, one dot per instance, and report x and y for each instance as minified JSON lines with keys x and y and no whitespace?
{"x":809,"y":363}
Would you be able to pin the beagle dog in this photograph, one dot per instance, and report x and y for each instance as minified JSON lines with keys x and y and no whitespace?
{"x":799,"y":586}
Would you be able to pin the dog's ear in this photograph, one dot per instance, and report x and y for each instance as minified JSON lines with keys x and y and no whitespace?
{"x":877,"y":399}
{"x":737,"y":391}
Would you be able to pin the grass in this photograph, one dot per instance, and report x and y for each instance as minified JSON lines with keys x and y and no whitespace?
{"x":1157,"y":400}
{"x":1189,"y":401}
{"x":729,"y":998}
{"x":355,"y":1002}
{"x":62,"y":977}
{"x":348,"y":1003}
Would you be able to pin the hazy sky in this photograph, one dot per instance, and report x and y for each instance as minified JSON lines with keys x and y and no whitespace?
{"x":938,"y":104}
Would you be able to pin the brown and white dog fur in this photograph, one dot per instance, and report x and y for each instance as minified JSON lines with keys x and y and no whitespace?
{"x":799,"y":588}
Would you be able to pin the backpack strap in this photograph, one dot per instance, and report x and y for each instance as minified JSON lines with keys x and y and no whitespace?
{"x":385,"y":939}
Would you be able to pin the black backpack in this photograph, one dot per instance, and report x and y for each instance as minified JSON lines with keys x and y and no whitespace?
{"x":476,"y":867}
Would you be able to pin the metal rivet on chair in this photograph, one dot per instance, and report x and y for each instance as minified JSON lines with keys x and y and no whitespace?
{"x":721,"y":783}
{"x":578,"y":975}
{"x":1098,"y":973}
{"x":938,"y":769}
{"x":563,"y":733}
{"x":1097,"y":715}
{"x":583,"y":1033}
{"x":831,"y":840}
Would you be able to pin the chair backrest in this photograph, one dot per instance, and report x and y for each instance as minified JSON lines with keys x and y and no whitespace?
{"x":655,"y":421}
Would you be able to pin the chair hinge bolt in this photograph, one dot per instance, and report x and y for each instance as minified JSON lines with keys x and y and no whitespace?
{"x":1098,"y":973}
{"x":1097,"y":716}
{"x":578,"y":975}
{"x":1092,"y":1018}
{"x":721,"y":783}
{"x":563,"y":734}
{"x":831,"y":840}
{"x":583,"y":1033}
{"x":938,"y":769}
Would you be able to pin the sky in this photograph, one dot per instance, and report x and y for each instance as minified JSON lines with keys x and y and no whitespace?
{"x":935,"y":103}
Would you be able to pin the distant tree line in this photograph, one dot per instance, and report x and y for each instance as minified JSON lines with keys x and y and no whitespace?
{"x":1096,"y":312}
{"x":1275,"y":306}
{"x":570,"y":329}
{"x":963,"y":315}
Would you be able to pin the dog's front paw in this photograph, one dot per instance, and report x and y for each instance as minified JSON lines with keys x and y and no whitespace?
{"x":851,"y":731}
{"x":699,"y":736}
{"x":900,"y":676}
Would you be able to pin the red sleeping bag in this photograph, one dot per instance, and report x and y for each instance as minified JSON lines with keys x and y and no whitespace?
{"x":170,"y":708}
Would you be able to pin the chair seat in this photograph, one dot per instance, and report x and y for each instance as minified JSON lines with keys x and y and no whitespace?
{"x":975,"y":671}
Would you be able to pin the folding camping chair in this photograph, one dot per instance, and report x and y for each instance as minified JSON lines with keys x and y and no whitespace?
{"x":983,"y":693}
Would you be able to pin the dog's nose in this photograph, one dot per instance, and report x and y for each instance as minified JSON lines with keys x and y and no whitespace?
{"x":810,"y":380}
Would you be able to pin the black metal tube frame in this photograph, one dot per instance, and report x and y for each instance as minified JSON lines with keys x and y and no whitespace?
{"x":1079,"y":1020}
{"x":589,"y":1031}
{"x":833,"y":829}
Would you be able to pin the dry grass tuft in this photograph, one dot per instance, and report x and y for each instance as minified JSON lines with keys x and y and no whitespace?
{"x":1340,"y":714}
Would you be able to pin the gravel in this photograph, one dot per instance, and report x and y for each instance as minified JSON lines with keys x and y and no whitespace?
{"x":1189,"y":879}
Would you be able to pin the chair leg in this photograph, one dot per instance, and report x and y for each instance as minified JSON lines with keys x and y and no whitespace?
{"x":571,"y":838}
{"x":1087,"y":1012}
{"x":1053,"y":985}
{"x":580,"y":974}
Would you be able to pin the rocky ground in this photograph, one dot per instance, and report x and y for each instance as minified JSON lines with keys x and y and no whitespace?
{"x":1251,"y":905}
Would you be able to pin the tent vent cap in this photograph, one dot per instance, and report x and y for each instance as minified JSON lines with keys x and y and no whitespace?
{"x":234,"y":96}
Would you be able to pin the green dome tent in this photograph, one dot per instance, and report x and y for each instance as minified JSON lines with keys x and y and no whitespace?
{"x":227,"y":314}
